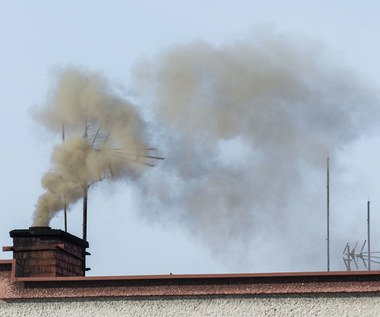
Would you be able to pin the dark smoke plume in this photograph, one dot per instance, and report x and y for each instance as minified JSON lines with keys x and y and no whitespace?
{"x":101,"y":128}
{"x":246,"y":128}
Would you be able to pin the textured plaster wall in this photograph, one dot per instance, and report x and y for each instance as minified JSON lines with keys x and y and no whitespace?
{"x":310,"y":305}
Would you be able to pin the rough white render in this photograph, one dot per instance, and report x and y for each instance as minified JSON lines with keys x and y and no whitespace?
{"x":310,"y":305}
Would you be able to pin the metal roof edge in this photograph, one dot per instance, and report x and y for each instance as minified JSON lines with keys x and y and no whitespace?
{"x":200,"y":276}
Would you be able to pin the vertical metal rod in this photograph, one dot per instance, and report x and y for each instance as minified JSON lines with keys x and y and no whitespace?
{"x":64,"y":196}
{"x":85,"y":193}
{"x":328,"y":213}
{"x":368,"y":236}
{"x":65,"y":211}
{"x":85,"y":190}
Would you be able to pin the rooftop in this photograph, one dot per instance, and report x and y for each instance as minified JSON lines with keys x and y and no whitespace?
{"x":14,"y":287}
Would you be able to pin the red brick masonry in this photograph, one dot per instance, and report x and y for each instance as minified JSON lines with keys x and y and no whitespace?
{"x":42,"y":251}
{"x":12,"y":287}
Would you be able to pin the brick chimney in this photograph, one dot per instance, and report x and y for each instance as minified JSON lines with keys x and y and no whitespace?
{"x":46,"y":252}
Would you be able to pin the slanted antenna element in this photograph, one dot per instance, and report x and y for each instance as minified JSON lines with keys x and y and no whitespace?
{"x":98,"y":141}
{"x":359,"y":260}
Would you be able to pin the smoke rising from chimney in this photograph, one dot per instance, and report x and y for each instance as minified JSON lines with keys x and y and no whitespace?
{"x":96,"y":122}
{"x":246,"y":128}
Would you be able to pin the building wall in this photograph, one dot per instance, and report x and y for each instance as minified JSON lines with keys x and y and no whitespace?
{"x":353,"y":304}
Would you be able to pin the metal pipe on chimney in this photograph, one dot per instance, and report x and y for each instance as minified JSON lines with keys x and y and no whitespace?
{"x":85,"y":191}
{"x":64,"y":196}
{"x":65,"y":211}
{"x":85,"y":188}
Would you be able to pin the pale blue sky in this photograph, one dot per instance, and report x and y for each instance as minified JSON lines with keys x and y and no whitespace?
{"x":111,"y":36}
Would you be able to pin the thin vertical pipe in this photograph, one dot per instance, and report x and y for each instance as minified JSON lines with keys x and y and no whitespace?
{"x":368,"y":236}
{"x":328,"y":213}
{"x":65,"y":211}
{"x":64,"y":196}
{"x":85,"y":190}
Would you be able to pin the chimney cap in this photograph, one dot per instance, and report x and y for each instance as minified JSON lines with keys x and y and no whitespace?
{"x":39,"y":228}
{"x":38,"y":231}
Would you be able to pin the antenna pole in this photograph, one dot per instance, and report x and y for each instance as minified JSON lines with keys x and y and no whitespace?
{"x":85,"y":190}
{"x":368,"y":236}
{"x":85,"y":193}
{"x":64,"y":196}
{"x":328,"y":213}
{"x":65,"y":211}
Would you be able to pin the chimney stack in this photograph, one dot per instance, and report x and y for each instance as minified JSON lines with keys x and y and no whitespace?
{"x":46,"y":252}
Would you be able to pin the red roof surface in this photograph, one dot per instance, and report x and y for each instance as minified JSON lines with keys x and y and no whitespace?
{"x":13,"y":287}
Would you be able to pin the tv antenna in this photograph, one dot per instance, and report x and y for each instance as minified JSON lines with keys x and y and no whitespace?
{"x":98,"y":140}
{"x":350,"y":255}
{"x":359,"y":260}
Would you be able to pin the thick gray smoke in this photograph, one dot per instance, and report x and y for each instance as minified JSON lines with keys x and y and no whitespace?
{"x":103,"y":133}
{"x":246,"y":128}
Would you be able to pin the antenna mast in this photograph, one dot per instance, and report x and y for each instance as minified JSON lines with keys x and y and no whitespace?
{"x":328,"y":213}
{"x":368,"y":236}
{"x":85,"y":189}
{"x":64,"y":196}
